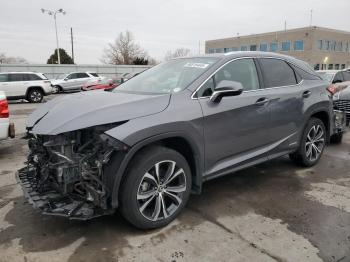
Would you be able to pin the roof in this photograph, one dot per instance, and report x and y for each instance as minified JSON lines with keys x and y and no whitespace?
{"x":19,"y":72}
{"x":308,"y":28}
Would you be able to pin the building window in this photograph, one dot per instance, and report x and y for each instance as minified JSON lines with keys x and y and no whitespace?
{"x":343,"y":66}
{"x":263,"y":47}
{"x":339,"y":46}
{"x":326,"y":45}
{"x":336,"y":66}
{"x":317,"y":67}
{"x":244,"y":48}
{"x":299,"y":45}
{"x":226,"y":50}
{"x":211,"y":51}
{"x":332,"y":45}
{"x":324,"y":67}
{"x":219,"y":50}
{"x":253,"y":48}
{"x":274,"y":47}
{"x":330,"y":67}
{"x":319,"y":44}
{"x":347,"y":47}
{"x":285,"y":46}
{"x":234,"y":48}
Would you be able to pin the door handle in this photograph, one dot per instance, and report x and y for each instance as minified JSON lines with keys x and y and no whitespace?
{"x":262,"y":101}
{"x":306,"y":94}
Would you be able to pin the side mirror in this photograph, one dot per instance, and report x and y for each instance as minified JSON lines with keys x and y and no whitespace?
{"x":226,"y":88}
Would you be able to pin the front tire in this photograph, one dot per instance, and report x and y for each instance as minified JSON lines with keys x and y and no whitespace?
{"x":312,"y":144}
{"x":156,"y":187}
{"x":56,"y":89}
{"x":35,"y":95}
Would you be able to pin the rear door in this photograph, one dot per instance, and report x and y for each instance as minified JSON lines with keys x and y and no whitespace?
{"x":235,"y":128}
{"x":82,"y":78}
{"x":286,"y":96}
{"x":70,"y":81}
{"x":17,"y":86}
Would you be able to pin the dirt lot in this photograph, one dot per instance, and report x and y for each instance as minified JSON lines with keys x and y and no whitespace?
{"x":272,"y":212}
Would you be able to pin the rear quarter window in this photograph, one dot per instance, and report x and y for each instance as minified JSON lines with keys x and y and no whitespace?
{"x":277,"y":72}
{"x":94,"y":74}
{"x":305,"y":75}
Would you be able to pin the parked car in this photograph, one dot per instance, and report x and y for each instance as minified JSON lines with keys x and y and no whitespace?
{"x":103,"y":84}
{"x":25,"y":85}
{"x":151,"y":142}
{"x":334,"y":76}
{"x":73,"y":81}
{"x":6,"y":129}
{"x":341,"y":99}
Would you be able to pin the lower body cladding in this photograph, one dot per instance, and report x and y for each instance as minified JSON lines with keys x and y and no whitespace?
{"x":67,"y":175}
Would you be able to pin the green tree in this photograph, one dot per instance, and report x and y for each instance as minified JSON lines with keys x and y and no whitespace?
{"x":65,"y":58}
{"x":140,"y":61}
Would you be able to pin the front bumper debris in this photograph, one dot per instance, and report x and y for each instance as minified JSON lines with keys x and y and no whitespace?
{"x":50,"y":202}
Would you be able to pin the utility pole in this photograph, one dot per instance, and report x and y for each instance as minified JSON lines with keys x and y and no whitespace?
{"x":311,"y":11}
{"x":71,"y":39}
{"x":54,"y":13}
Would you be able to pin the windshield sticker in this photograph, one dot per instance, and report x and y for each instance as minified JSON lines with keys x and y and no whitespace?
{"x":196,"y":65}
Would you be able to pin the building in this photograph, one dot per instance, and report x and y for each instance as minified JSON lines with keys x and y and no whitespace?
{"x":323,"y":48}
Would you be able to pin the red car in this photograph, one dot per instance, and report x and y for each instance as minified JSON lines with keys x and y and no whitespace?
{"x":104,"y":84}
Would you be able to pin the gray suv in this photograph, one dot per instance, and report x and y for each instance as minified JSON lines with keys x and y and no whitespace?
{"x":147,"y":145}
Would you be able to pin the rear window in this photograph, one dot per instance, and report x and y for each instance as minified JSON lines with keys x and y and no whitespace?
{"x":82,"y":75}
{"x":94,"y":74}
{"x":3,"y":78}
{"x":31,"y":77}
{"x":277,"y":73}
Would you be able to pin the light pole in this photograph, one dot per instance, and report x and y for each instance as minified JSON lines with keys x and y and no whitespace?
{"x":54,"y":13}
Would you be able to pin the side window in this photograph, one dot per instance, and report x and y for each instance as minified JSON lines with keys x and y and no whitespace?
{"x":94,"y":74}
{"x":72,"y":76}
{"x":302,"y":74}
{"x":82,"y":75}
{"x":338,"y":78}
{"x":16,"y":77}
{"x":4,"y":78}
{"x":33,"y":77}
{"x":277,"y":73}
{"x":242,"y":71}
{"x":346,"y":76}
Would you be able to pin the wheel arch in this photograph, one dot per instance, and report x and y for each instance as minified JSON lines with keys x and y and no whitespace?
{"x":34,"y":87}
{"x":176,"y":141}
{"x":325,"y":118}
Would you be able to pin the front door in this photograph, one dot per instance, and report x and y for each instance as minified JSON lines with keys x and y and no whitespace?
{"x":235,"y":129}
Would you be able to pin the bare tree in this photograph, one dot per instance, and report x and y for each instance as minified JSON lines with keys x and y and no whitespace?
{"x":179,"y":52}
{"x":12,"y":60}
{"x":123,"y":51}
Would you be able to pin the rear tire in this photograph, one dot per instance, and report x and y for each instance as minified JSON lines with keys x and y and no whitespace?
{"x":312,"y":144}
{"x":148,"y":200}
{"x":35,"y":95}
{"x":337,"y":138}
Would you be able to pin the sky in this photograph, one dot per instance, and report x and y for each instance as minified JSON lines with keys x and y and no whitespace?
{"x":157,"y":25}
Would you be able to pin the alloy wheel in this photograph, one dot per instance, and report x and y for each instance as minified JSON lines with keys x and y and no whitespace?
{"x":35,"y":96}
{"x":315,"y":142}
{"x":161,"y":190}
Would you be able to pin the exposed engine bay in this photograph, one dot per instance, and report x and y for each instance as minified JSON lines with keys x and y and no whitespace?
{"x":65,"y":173}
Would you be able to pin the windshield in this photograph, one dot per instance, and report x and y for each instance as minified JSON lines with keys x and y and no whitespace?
{"x":326,"y":76}
{"x":169,"y":77}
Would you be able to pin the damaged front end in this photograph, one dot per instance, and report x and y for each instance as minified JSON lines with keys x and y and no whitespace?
{"x":65,"y":174}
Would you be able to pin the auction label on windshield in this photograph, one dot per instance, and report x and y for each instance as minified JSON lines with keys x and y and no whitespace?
{"x":196,"y":65}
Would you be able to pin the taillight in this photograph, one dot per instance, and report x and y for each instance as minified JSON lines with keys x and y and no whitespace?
{"x":4,"y":109}
{"x":332,"y":89}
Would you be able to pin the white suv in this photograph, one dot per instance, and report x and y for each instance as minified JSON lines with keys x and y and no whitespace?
{"x":6,"y":130}
{"x":73,"y":81}
{"x":25,"y":85}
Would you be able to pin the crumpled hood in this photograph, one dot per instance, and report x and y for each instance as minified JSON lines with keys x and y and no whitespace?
{"x":77,"y":111}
